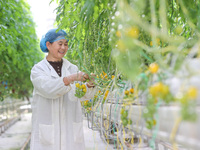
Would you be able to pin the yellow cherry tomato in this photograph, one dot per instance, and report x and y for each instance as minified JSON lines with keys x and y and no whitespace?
{"x":106,"y":93}
{"x":77,"y":85}
{"x":83,"y":86}
{"x":84,"y":90}
{"x":159,"y":86}
{"x":155,"y":89}
{"x":121,"y":46}
{"x":126,"y":92}
{"x":113,"y":77}
{"x":155,"y":101}
{"x":151,"y":43}
{"x":101,"y":76}
{"x":85,"y":103}
{"x":164,"y":90}
{"x":192,"y":92}
{"x":118,"y":33}
{"x":158,"y":41}
{"x":159,"y":90}
{"x":153,"y":68}
{"x":152,"y":91}
{"x":131,"y":90}
{"x":132,"y":32}
{"x":154,"y":122}
{"x":106,"y":76}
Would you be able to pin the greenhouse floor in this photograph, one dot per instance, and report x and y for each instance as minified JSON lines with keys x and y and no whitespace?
{"x":16,"y":136}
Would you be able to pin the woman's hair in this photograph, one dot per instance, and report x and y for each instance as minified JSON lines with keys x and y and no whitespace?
{"x":52,"y":36}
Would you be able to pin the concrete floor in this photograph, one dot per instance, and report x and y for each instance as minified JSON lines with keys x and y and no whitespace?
{"x":93,"y":140}
{"x":17,"y":134}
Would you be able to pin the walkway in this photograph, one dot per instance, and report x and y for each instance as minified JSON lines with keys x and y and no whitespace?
{"x":15,"y":137}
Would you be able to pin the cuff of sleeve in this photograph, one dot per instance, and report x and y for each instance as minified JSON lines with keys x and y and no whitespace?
{"x":67,"y":87}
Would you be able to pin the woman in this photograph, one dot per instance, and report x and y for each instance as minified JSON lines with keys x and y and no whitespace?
{"x":56,"y":112}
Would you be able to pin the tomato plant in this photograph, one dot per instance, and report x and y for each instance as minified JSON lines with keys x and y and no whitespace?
{"x":88,"y":24}
{"x":122,"y":40}
{"x":19,"y":48}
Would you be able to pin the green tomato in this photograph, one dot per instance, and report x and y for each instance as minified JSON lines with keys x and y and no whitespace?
{"x":125,"y":121}
{"x":125,"y":114}
{"x":122,"y":117}
{"x":179,"y":29}
{"x":130,"y":122}
{"x":122,"y":111}
{"x":149,"y":124}
{"x":82,"y":93}
{"x":99,"y":48}
{"x":89,"y":104}
{"x":103,"y":101}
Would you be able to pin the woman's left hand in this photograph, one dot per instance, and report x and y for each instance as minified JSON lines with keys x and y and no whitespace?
{"x":90,"y":83}
{"x":85,"y":76}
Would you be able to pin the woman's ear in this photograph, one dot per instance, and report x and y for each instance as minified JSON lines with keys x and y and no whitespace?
{"x":48,"y":44}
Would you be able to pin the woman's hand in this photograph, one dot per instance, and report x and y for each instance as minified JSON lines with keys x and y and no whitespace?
{"x":90,"y":83}
{"x":80,"y":76}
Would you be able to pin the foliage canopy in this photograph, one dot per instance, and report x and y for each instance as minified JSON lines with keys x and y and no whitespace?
{"x":19,"y":49}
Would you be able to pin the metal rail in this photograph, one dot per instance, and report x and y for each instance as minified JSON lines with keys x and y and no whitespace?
{"x":10,"y":112}
{"x":107,"y":120}
{"x":26,"y":145}
{"x":167,"y":114}
{"x":6,"y":124}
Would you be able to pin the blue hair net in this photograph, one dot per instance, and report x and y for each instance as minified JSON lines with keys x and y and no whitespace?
{"x":52,"y":36}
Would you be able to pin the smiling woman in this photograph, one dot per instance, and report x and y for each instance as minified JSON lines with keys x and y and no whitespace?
{"x":57,"y":50}
{"x":55,"y":43}
{"x":57,"y":114}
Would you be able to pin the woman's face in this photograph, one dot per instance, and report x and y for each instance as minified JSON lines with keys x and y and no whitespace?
{"x":57,"y":50}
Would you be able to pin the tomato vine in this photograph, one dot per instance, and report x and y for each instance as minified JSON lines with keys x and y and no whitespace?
{"x":124,"y":37}
{"x":19,"y":49}
{"x":88,"y":24}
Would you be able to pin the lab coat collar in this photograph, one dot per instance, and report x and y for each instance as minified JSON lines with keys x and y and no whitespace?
{"x":66,"y":65}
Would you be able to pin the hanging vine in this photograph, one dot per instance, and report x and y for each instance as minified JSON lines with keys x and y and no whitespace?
{"x":19,"y":49}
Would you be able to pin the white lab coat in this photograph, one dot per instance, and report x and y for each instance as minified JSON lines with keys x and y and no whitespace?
{"x":56,"y":112}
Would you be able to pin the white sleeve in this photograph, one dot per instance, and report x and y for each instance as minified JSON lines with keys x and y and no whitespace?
{"x":46,"y":85}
